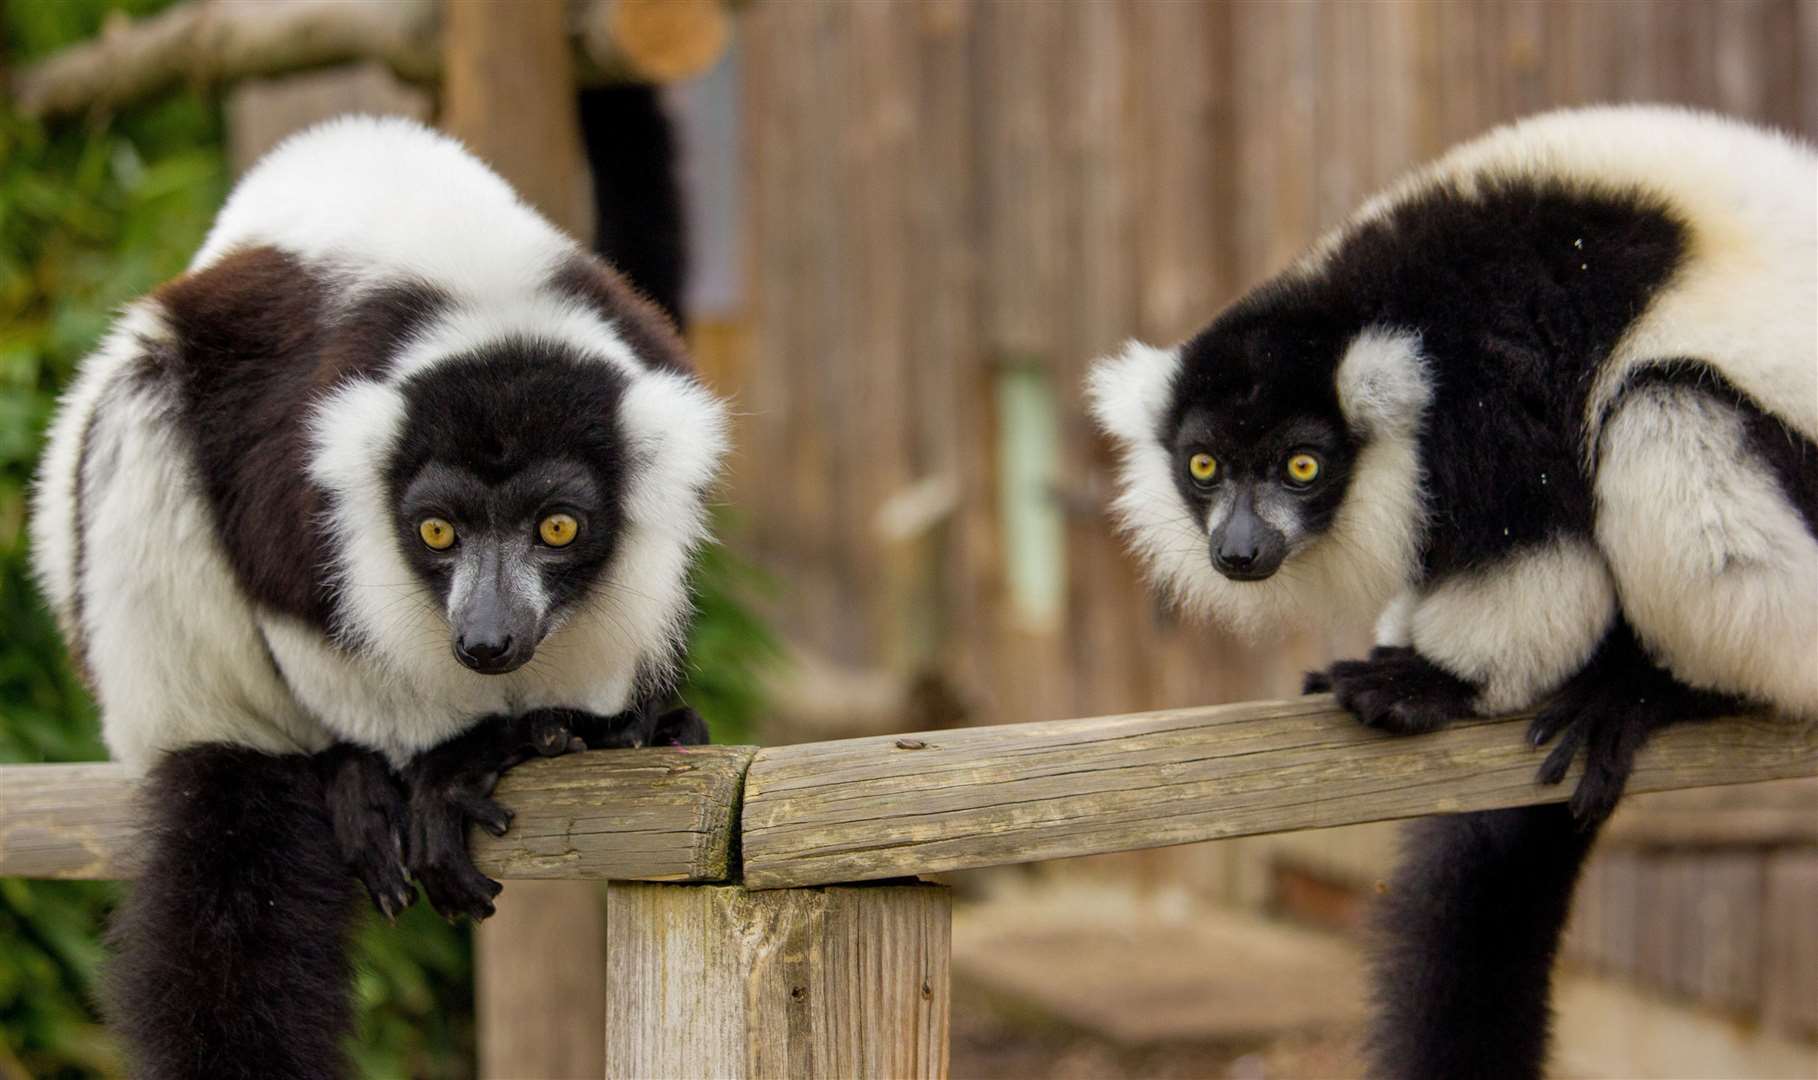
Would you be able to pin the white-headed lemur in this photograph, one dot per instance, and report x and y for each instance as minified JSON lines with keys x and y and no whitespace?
{"x":395,"y":487}
{"x":1547,"y":408}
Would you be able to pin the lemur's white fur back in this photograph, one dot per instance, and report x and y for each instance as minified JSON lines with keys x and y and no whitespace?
{"x":388,"y":197}
{"x":373,"y":202}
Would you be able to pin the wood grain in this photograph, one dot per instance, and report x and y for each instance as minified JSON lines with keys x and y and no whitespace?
{"x":1790,"y":960}
{"x":664,"y":815}
{"x":720,"y":981}
{"x":66,"y":821}
{"x":1783,"y":813}
{"x":888,"y":806}
{"x":864,"y":808}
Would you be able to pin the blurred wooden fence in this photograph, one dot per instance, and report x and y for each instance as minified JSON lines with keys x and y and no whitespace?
{"x":954,"y":207}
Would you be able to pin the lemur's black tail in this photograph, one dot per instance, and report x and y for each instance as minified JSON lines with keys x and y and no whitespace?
{"x":637,"y":196}
{"x":231,"y":951}
{"x":1467,"y":936}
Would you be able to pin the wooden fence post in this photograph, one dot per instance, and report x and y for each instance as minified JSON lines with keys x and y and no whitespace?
{"x":540,"y":983}
{"x":844,"y":981}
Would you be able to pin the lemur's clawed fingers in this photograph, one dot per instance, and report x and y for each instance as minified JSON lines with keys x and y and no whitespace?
{"x":457,"y":889}
{"x":680,"y":727}
{"x":550,"y":732}
{"x":1400,"y":691}
{"x":1609,"y":719}
{"x":1559,"y":760}
{"x":1316,"y":682}
{"x":489,"y":814}
{"x":367,"y":808}
{"x":439,"y":860}
{"x":1548,"y":723}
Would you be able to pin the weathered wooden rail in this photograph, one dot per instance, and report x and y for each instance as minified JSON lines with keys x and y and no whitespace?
{"x":741,"y":943}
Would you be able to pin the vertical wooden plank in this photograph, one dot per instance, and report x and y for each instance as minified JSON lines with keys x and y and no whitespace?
{"x":1684,"y":62}
{"x":1025,"y":52}
{"x":1789,"y":1000}
{"x":1806,"y":42}
{"x":1102,"y":177}
{"x":1522,"y":57}
{"x":539,"y":982}
{"x":1681,"y":961}
{"x":794,"y":486}
{"x":1344,"y":111}
{"x":932,"y":593}
{"x":508,"y":93}
{"x":1620,"y":948}
{"x":1730,"y":900}
{"x":1755,"y":52}
{"x":841,"y":982}
{"x":1394,"y":44}
{"x":881,"y":294}
{"x":1584,"y":923}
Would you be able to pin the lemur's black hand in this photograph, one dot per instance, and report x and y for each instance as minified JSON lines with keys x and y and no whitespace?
{"x":643,"y":725}
{"x":1608,"y":711}
{"x":452,"y":784}
{"x":679,"y":727}
{"x":367,"y":807}
{"x":1399,"y":690}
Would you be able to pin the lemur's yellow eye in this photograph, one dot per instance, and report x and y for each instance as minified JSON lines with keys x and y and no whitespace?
{"x":437,"y":533}
{"x":1202,"y":467}
{"x":558,"y":530}
{"x":1302,"y":468}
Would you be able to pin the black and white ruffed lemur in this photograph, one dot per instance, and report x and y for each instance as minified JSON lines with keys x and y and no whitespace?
{"x":395,"y":487}
{"x":1548,"y":408}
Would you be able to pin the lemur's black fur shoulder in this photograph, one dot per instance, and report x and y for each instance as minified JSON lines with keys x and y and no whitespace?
{"x":1520,"y":290}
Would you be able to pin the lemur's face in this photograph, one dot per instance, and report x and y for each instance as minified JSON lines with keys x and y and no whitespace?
{"x":1260,"y":452}
{"x":508,"y":496}
{"x":1269,"y":470}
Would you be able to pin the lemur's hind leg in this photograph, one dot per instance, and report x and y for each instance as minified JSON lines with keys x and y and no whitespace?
{"x":366,"y":803}
{"x":1606,"y":712}
{"x":1707,"y":509}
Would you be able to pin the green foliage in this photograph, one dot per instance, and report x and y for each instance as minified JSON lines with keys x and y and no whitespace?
{"x":729,"y":647}
{"x":92,"y":214}
{"x":89,"y":217}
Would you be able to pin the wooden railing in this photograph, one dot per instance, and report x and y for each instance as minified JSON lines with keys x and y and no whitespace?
{"x":740,"y":943}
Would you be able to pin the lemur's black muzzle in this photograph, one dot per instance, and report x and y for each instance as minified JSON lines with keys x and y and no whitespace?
{"x":1244,"y":546}
{"x":496,"y":626}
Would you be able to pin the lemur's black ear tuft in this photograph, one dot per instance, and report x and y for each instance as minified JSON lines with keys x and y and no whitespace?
{"x":1383,"y":385}
{"x":1128,"y":391}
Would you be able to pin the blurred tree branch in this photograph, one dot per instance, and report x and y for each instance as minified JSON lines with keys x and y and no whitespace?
{"x":217,"y":41}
